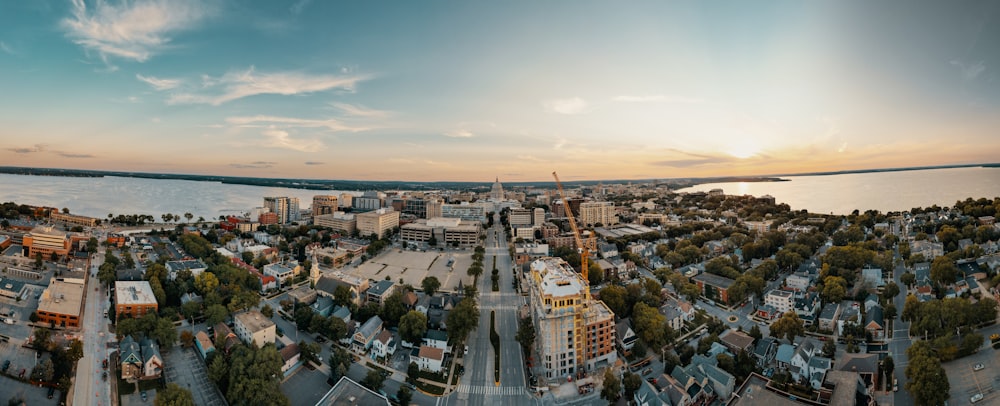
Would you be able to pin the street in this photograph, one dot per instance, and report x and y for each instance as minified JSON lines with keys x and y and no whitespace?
{"x":89,"y":388}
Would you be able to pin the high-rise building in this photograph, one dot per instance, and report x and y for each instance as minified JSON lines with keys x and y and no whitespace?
{"x":293,"y":209}
{"x":377,"y":222}
{"x":598,"y":213}
{"x":324,"y":204}
{"x":575,"y":332}
{"x":369,"y":201}
{"x":433,"y":208}
{"x":338,"y":221}
{"x":287,"y":208}
{"x":346,"y":200}
{"x":539,"y":217}
{"x":416,"y":207}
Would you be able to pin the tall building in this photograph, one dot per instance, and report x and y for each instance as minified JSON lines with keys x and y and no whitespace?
{"x":575,"y":332}
{"x":539,"y":217}
{"x":598,"y":213}
{"x":324,"y":204}
{"x":45,"y":241}
{"x":433,"y":207}
{"x":369,"y":201}
{"x":283,"y":207}
{"x":520,"y":218}
{"x":346,"y":200}
{"x":338,"y":221}
{"x":377,"y":222}
{"x":496,"y":192}
{"x":416,"y":207}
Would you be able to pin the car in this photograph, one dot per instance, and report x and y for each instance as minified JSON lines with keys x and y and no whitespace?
{"x":978,"y":367}
{"x":975,"y":398}
{"x":467,"y":350}
{"x":52,"y":392}
{"x":143,"y":395}
{"x":895,"y":385}
{"x":104,"y":376}
{"x":6,"y":364}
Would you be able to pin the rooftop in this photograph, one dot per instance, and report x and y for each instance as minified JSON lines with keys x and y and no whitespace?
{"x":431,"y":353}
{"x":753,"y":392}
{"x":254,"y":321}
{"x":348,"y":393}
{"x":134,"y":293}
{"x":558,"y":277}
{"x":62,"y":298}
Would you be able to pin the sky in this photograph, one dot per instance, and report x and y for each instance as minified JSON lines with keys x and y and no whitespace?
{"x":473,"y":90}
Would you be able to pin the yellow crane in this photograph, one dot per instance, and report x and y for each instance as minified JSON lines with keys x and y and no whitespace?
{"x":585,"y":246}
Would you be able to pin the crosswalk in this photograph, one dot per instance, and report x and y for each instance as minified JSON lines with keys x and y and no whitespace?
{"x":491,"y":390}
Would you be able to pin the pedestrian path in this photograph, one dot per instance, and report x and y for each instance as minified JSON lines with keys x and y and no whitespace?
{"x":491,"y":390}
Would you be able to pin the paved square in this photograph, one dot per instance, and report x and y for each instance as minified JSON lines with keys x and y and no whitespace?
{"x":965,"y":382}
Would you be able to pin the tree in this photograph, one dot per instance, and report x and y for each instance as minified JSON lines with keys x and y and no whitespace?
{"x":927,"y":381}
{"x":614,"y":297}
{"x":41,"y":339}
{"x":648,"y":323}
{"x":888,"y":366}
{"x":462,"y":319}
{"x":393,"y":309}
{"x":173,"y":395}
{"x":829,"y":349}
{"x":943,"y":270}
{"x":755,"y":333}
{"x":188,"y":216}
{"x":44,"y":371}
{"x":631,"y":382}
{"x":834,"y":289}
{"x":187,"y":339}
{"x":340,"y":362}
{"x":206,"y":282}
{"x":404,"y":396}
{"x":612,"y":387}
{"x":526,"y":334}
{"x":216,"y":314}
{"x":75,"y":351}
{"x":890,"y":291}
{"x":373,"y":380}
{"x":412,"y":372}
{"x":255,"y":376}
{"x":789,"y":326}
{"x":267,"y":311}
{"x":309,"y":352}
{"x":430,"y":285}
{"x":908,"y":279}
{"x":413,"y":326}
{"x":341,"y":295}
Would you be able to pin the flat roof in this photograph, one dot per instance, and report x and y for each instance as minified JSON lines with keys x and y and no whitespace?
{"x":754,"y":393}
{"x":62,"y":297}
{"x":134,"y":293}
{"x":254,"y":320}
{"x":348,"y":393}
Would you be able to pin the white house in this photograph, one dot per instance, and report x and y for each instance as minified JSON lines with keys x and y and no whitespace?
{"x":428,"y":358}
{"x":437,"y":339}
{"x":384,"y":345}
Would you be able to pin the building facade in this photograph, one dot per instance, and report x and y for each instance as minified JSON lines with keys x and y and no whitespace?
{"x":337,"y":221}
{"x":575,"y":332}
{"x":60,"y":304}
{"x":378,"y":222}
{"x":598,"y":213}
{"x":253,"y":328}
{"x":134,"y":299}
{"x":324,"y":204}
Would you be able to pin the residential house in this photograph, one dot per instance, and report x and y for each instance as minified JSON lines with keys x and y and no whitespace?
{"x":765,"y":351}
{"x":384,"y":345}
{"x":380,"y":291}
{"x":204,"y":344}
{"x":253,"y":328}
{"x":366,"y":334}
{"x":140,"y":360}
{"x":291,"y":357}
{"x":437,"y":339}
{"x":783,"y":356}
{"x":806,"y":307}
{"x":928,"y":249}
{"x":850,"y":314}
{"x":428,"y":358}
{"x":707,"y":370}
{"x":328,"y":283}
{"x":807,"y":365}
{"x":323,"y":306}
{"x":737,"y":341}
{"x":677,"y":312}
{"x":866,"y":365}
{"x":343,"y":313}
{"x":224,"y":334}
{"x":767,"y":312}
{"x":828,"y":316}
{"x":625,"y":336}
{"x":875,"y":323}
{"x":607,"y":250}
{"x":798,"y":282}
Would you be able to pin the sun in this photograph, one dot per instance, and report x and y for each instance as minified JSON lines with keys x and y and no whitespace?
{"x":743,"y":149}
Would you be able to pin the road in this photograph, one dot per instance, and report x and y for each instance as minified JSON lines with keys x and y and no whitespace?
{"x":478,"y":386}
{"x":89,"y":388}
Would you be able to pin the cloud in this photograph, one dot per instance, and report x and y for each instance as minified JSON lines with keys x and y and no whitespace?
{"x":70,"y":155}
{"x":459,"y":133}
{"x":28,"y":150}
{"x":299,"y":6}
{"x":159,"y":84}
{"x":360,"y":111}
{"x":254,"y":165}
{"x":314,"y":163}
{"x":969,"y":71}
{"x":657,"y":98}
{"x":574,"y":105}
{"x":133,"y":30}
{"x":239,"y":84}
{"x":6,"y":48}
{"x":291,"y":122}
{"x":282,"y":139}
{"x":691,"y":159}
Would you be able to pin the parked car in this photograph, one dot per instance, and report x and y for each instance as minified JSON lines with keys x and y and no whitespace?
{"x":978,"y":367}
{"x":143,"y":395}
{"x":52,"y":392}
{"x":975,"y":398}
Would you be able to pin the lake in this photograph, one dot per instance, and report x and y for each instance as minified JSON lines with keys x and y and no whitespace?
{"x":882,"y":191}
{"x":97,"y":197}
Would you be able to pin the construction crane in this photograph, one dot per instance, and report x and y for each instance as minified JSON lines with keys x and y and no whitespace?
{"x":585,"y":246}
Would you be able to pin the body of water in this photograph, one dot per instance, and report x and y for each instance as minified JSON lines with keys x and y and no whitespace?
{"x":97,"y":197}
{"x":882,"y":191}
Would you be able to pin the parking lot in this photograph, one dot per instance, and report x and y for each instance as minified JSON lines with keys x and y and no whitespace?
{"x":412,"y":267}
{"x":19,"y":357}
{"x":966,"y":382}
{"x":305,"y":387}
{"x":32,"y":395}
{"x":186,"y":368}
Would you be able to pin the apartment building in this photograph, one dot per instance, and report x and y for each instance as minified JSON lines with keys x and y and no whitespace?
{"x":575,"y":332}
{"x":253,"y":328}
{"x":378,"y":222}
{"x":324,"y":204}
{"x":598,"y":213}
{"x":134,"y":299}
{"x":782,"y":300}
{"x":286,"y":208}
{"x":337,"y":221}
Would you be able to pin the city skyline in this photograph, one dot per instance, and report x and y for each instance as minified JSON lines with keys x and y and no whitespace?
{"x":449,"y":91}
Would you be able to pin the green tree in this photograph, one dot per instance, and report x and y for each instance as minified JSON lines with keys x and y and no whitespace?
{"x":373,"y":380}
{"x":393,"y":309}
{"x":834,"y":289}
{"x":309,"y":352}
{"x":927,"y":381}
{"x":888,"y":366}
{"x":255,"y":376}
{"x":430,"y":285}
{"x":829,"y":349}
{"x":612,"y":387}
{"x":788,"y":326}
{"x":413,"y":326}
{"x":526,"y":334}
{"x":412,"y":372}
{"x":908,"y":279}
{"x":890,"y":291}
{"x":404,"y":396}
{"x":614,"y":296}
{"x":342,"y":295}
{"x":340,"y":361}
{"x":648,"y":323}
{"x":462,"y":319}
{"x":173,"y":395}
{"x":43,"y":371}
{"x":216,"y":314}
{"x":631,"y":383}
{"x":755,"y":333}
{"x":267,"y":311}
{"x":943,"y":270}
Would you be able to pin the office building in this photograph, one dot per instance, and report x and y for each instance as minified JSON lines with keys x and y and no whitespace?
{"x":575,"y":332}
{"x":520,"y":218}
{"x":464,"y":211}
{"x":378,"y":222}
{"x":60,"y":304}
{"x":73,"y":219}
{"x":324,"y":204}
{"x":253,"y":328}
{"x":598,"y":213}
{"x":45,"y":241}
{"x":433,"y":208}
{"x":346,"y":200}
{"x":445,"y":231}
{"x":538,"y":217}
{"x":416,"y":207}
{"x":134,"y":299}
{"x":337,"y":221}
{"x":369,"y":201}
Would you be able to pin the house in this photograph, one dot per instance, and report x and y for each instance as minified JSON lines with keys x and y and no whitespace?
{"x":140,"y":360}
{"x":765,"y":351}
{"x":850,"y":314}
{"x":677,"y":312}
{"x":807,"y":366}
{"x":281,"y":272}
{"x":380,"y":291}
{"x":806,"y":307}
{"x":782,"y":300}
{"x":866,"y":365}
{"x":714,"y":286}
{"x":625,"y":335}
{"x":328,"y":283}
{"x":291,"y":357}
{"x":203,"y":344}
{"x":706,"y":370}
{"x":342,"y":312}
{"x":828,"y":316}
{"x":194,"y":265}
{"x":366,"y":334}
{"x":253,"y":328}
{"x":437,"y":339}
{"x":816,"y":370}
{"x":384,"y":345}
{"x":737,"y":341}
{"x":323,"y":306}
{"x":607,"y":250}
{"x":225,"y":334}
{"x":875,"y":323}
{"x":428,"y":358}
{"x":783,"y":356}
{"x":928,"y":249}
{"x":798,"y":282}
{"x":767,"y":312}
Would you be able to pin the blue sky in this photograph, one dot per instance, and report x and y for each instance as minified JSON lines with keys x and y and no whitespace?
{"x":472,"y":90}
